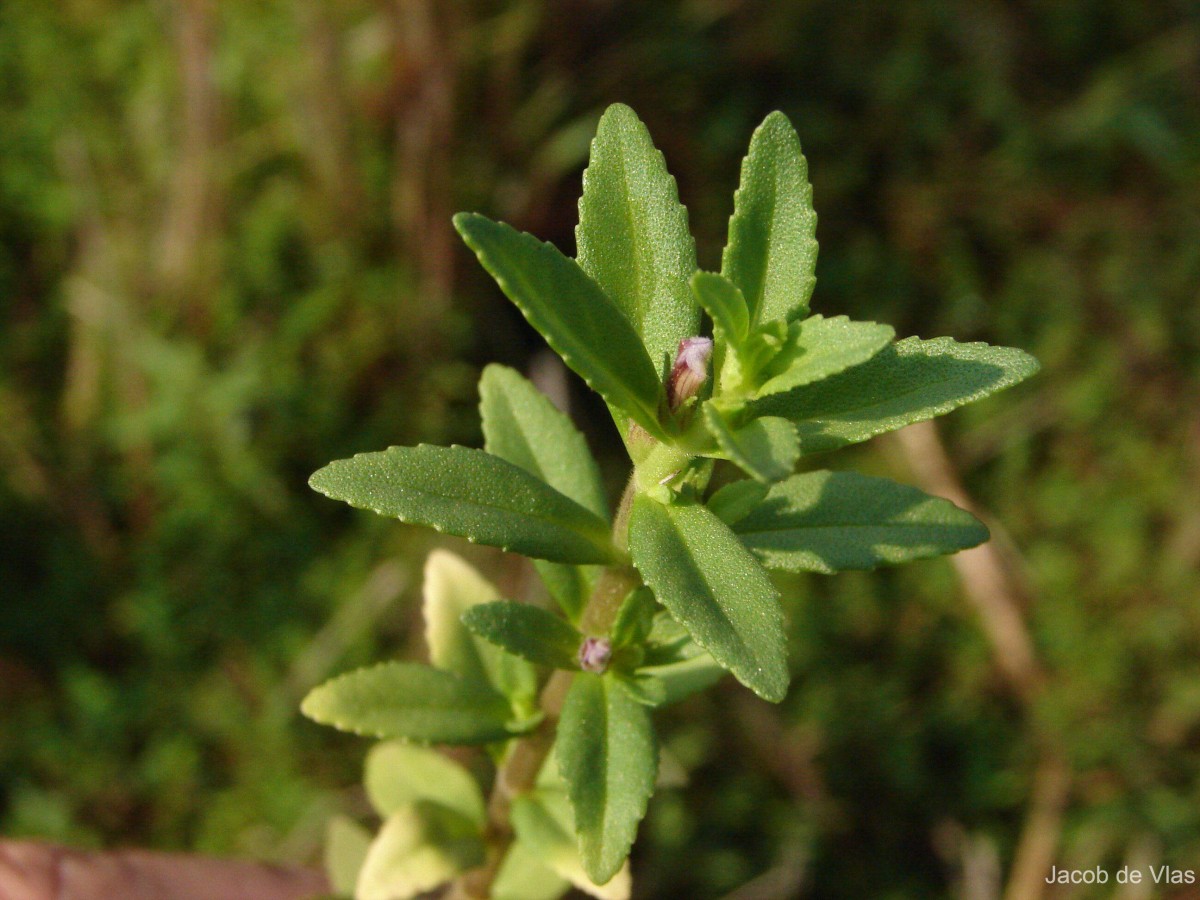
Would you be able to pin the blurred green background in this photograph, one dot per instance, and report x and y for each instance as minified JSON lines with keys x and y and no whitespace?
{"x":226,"y":258}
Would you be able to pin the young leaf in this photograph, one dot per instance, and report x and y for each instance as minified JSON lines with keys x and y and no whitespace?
{"x":397,"y":775}
{"x":910,"y":381}
{"x":608,"y":756}
{"x":346,"y":847}
{"x":522,"y":426}
{"x":735,"y":500}
{"x":820,"y":347}
{"x":573,"y":314}
{"x":679,"y":680}
{"x":527,"y":631}
{"x":829,"y":521}
{"x":420,"y":846}
{"x":545,"y":824}
{"x":771,"y":253}
{"x":413,"y":702}
{"x":451,"y":588}
{"x":711,"y":584}
{"x":472,"y":494}
{"x":724,"y":304}
{"x":633,"y":236}
{"x":766,"y":449}
{"x":524,"y":875}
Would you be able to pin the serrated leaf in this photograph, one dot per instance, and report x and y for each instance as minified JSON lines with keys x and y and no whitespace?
{"x":451,"y":588}
{"x":420,"y":846}
{"x":771,"y":253}
{"x":608,"y":757}
{"x":471,"y":494}
{"x":714,"y":587}
{"x":524,"y":876}
{"x":910,"y":381}
{"x":528,"y":632}
{"x":543,"y":822}
{"x":633,"y":235}
{"x":724,"y":304}
{"x":522,"y":426}
{"x":397,"y":775}
{"x":766,"y":448}
{"x":413,"y":702}
{"x":820,"y":347}
{"x":829,"y":521}
{"x":346,"y":846}
{"x":734,"y":501}
{"x":573,"y":314}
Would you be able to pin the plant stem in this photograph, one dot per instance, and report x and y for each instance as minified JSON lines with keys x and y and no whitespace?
{"x":518,"y":773}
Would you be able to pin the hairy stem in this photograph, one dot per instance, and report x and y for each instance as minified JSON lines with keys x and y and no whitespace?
{"x":518,"y":773}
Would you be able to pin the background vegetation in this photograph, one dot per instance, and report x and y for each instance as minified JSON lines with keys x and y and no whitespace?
{"x":226,"y":258}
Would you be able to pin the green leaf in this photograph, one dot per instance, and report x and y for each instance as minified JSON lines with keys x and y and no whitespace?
{"x":544,"y":823}
{"x":724,"y":304}
{"x":411,"y":701}
{"x":766,"y":448}
{"x":820,"y":347}
{"x":527,"y":631}
{"x":910,"y":381}
{"x":634,"y":618}
{"x":677,"y":662}
{"x":829,"y":521}
{"x":572,"y":313}
{"x":570,"y":586}
{"x":420,"y":846}
{"x":522,"y":426}
{"x":472,"y":494}
{"x":451,"y":588}
{"x":524,"y":876}
{"x":608,"y":756}
{"x":735,"y":500}
{"x":633,"y":236}
{"x":771,"y":253}
{"x":706,"y":578}
{"x":346,"y":847}
{"x":397,"y":775}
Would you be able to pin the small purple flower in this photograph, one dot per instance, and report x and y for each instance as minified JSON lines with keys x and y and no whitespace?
{"x":594,"y":654}
{"x":690,"y":370}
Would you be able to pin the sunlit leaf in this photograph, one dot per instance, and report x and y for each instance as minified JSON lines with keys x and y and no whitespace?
{"x":766,"y":449}
{"x":818,"y":348}
{"x":398,"y":774}
{"x":527,"y":631}
{"x":420,"y":846}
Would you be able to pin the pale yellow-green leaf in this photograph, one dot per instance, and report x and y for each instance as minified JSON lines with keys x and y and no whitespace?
{"x":398,"y":774}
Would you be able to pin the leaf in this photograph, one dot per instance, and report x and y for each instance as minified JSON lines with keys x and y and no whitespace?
{"x":420,"y":846}
{"x":522,"y":426}
{"x":735,"y":500}
{"x":570,"y":586}
{"x":472,"y":494}
{"x":771,"y":253}
{"x":766,"y":448}
{"x":910,"y":381}
{"x":346,"y":846}
{"x":398,"y":775}
{"x":524,"y":876}
{"x":528,"y":632}
{"x":820,"y":347}
{"x":608,"y":756}
{"x":543,"y":822}
{"x":724,"y":304}
{"x":633,"y":236}
{"x":451,"y":588}
{"x":710,"y":583}
{"x":679,"y":680}
{"x":572,"y":313}
{"x":411,"y":701}
{"x":828,"y":521}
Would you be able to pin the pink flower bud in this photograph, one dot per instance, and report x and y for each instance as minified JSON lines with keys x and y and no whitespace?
{"x":594,"y":654}
{"x":690,"y":370}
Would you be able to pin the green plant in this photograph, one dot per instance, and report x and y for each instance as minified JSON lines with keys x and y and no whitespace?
{"x":661,"y":598}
